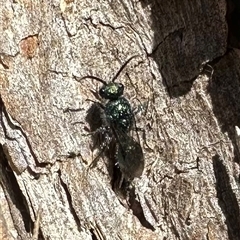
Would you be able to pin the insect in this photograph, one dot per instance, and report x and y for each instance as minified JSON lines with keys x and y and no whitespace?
{"x":119,"y":124}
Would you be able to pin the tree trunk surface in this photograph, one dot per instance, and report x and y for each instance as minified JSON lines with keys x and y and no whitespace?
{"x":184,"y":85}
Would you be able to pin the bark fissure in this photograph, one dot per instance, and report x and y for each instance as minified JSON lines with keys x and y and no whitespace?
{"x":69,"y":197}
{"x":16,"y":198}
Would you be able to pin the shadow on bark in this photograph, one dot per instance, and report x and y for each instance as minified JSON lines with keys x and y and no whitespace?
{"x":182,"y":44}
{"x":227,"y":199}
{"x":224,"y":89}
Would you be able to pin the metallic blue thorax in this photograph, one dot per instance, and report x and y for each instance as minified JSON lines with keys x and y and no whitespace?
{"x":119,"y":114}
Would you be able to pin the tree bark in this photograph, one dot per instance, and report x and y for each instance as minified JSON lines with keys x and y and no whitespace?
{"x":186,"y":78}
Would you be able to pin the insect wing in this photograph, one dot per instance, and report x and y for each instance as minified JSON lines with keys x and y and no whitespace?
{"x":129,"y":154}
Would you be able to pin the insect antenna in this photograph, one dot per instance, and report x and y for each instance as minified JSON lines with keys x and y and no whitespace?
{"x":95,"y":78}
{"x":122,"y":67}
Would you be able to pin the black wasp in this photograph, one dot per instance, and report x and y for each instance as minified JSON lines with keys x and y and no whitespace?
{"x":119,"y":124}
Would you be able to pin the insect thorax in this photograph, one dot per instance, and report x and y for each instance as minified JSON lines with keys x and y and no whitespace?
{"x":119,"y":114}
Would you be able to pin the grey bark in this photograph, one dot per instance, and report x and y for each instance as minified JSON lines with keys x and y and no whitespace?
{"x":190,"y":185}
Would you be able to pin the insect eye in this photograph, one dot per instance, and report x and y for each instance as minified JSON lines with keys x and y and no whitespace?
{"x":102,"y":92}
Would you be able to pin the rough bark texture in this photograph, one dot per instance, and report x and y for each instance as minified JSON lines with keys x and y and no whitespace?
{"x":190,"y":185}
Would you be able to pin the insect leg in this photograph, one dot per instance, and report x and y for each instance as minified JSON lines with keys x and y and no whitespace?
{"x":95,"y":102}
{"x":144,"y":136}
{"x":105,"y":132}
